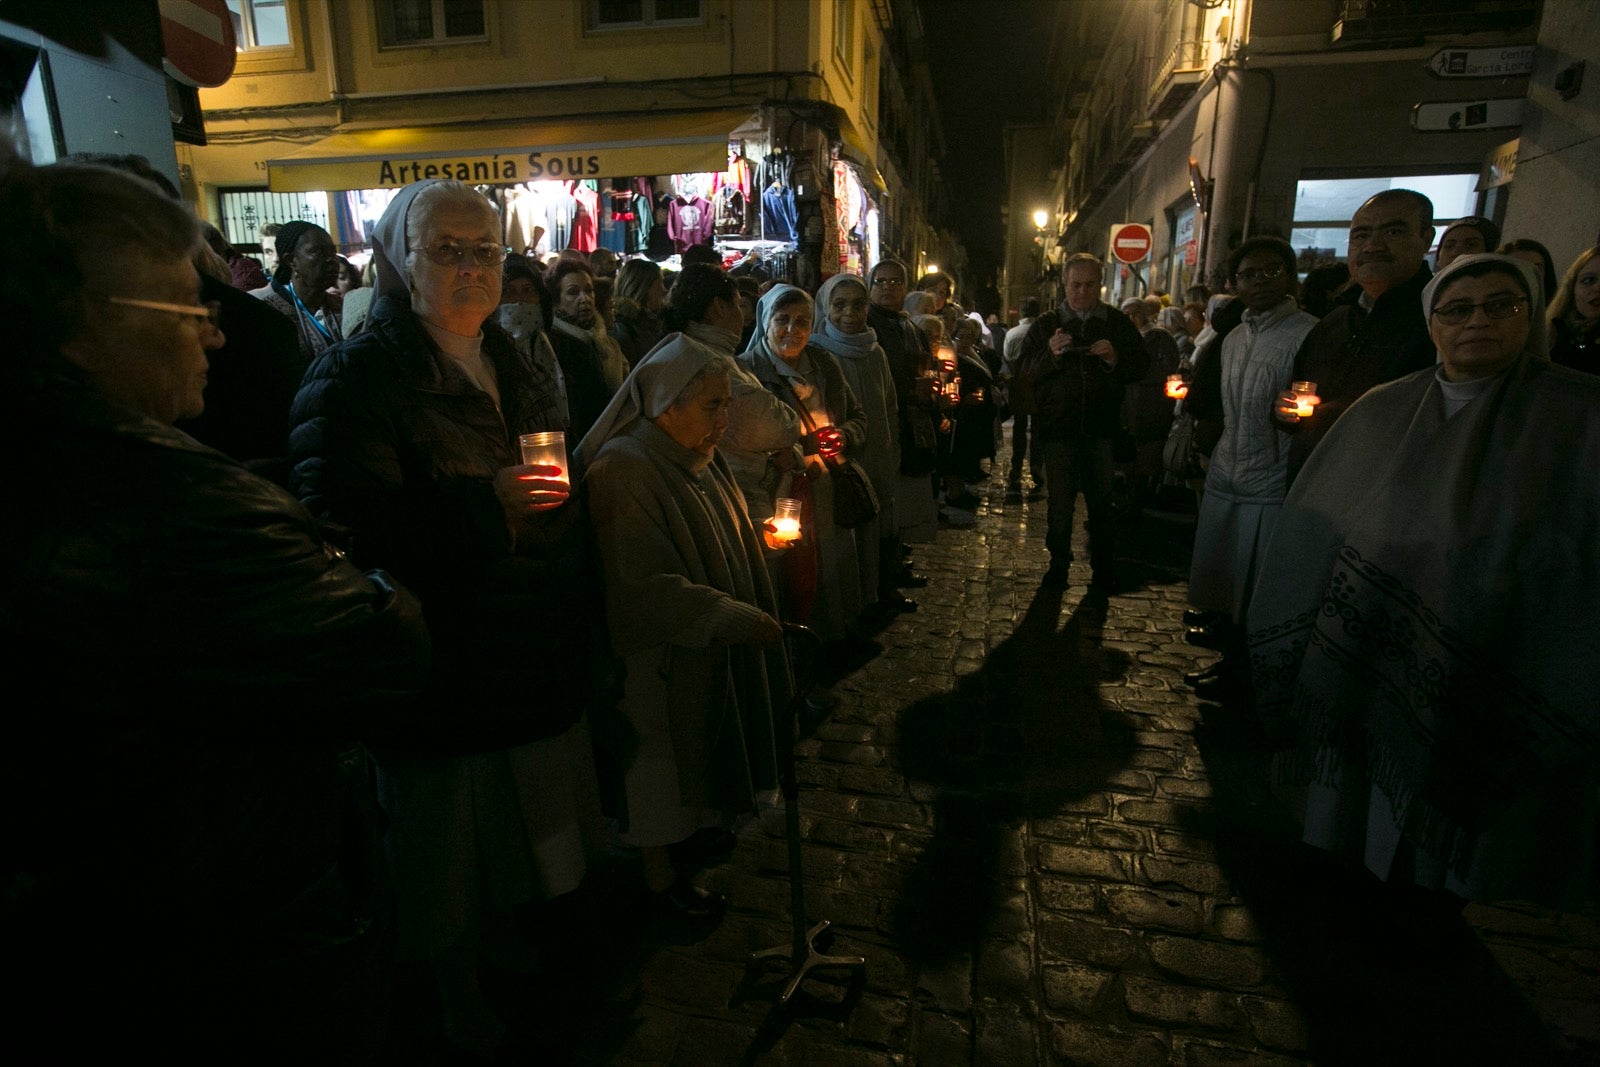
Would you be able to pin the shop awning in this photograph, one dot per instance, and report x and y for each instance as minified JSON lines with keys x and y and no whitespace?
{"x":608,"y":146}
{"x":855,"y":150}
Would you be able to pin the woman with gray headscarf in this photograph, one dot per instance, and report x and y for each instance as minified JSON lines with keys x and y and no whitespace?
{"x":406,"y":436}
{"x":839,"y":325}
{"x":833,"y":423}
{"x":1425,"y":630}
{"x":691,"y":609}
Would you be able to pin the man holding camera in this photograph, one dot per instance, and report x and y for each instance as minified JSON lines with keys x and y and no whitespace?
{"x":1078,"y":359}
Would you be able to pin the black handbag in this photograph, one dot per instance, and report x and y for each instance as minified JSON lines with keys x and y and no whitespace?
{"x":855,"y":502}
{"x":1178,"y":454}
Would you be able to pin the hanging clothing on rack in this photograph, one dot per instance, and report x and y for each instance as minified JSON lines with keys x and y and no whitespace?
{"x":779,"y":219}
{"x":616,"y":217}
{"x":689,"y":222}
{"x":585,"y":230}
{"x":659,"y":245}
{"x":526,"y":219}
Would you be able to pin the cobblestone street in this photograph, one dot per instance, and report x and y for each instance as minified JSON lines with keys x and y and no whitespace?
{"x":1050,"y":852}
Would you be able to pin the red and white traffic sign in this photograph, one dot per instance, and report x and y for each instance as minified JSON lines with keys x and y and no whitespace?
{"x":197,"y":37}
{"x":1131,"y":242}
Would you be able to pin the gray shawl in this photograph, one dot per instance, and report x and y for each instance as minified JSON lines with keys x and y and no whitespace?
{"x":1427,"y":616}
{"x":685,"y":578}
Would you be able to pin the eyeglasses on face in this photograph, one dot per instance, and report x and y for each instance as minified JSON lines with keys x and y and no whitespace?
{"x":1458,"y":312}
{"x":211,"y":310}
{"x":1258,"y":274}
{"x":451,"y":254}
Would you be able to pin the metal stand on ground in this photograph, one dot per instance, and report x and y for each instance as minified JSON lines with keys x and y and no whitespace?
{"x":802,"y":950}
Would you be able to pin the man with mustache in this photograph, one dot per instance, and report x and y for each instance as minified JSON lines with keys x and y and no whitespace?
{"x":1376,"y":331}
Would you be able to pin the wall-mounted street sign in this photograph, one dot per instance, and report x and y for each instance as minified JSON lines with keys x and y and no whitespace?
{"x":1499,"y":166}
{"x":1468,"y":114}
{"x":1508,"y":62}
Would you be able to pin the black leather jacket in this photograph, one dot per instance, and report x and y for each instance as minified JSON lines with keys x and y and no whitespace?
{"x":190,"y":664}
{"x":1073,"y":394}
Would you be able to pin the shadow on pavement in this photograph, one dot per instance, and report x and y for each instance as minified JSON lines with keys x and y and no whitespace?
{"x":1374,"y":982}
{"x":1018,"y":738}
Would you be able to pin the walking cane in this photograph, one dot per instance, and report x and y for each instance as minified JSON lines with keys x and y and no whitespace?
{"x":802,"y":951}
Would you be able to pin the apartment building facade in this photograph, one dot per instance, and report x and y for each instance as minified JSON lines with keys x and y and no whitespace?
{"x":753,"y":125}
{"x":1213,"y":120}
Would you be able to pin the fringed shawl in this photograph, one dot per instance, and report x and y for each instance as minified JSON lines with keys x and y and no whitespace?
{"x":1428,"y":612}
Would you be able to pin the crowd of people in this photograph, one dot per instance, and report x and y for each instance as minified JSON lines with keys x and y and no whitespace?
{"x":357,"y":683}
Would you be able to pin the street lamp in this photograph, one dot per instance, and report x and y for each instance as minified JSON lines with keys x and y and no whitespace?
{"x":1041,"y":218}
{"x":933,"y":268}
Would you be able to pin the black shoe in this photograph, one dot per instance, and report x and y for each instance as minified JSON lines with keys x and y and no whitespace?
{"x":963,"y":501}
{"x":892,"y":603}
{"x":909,"y":579}
{"x":703,"y":847}
{"x":1056,"y":577}
{"x":1201,"y":617}
{"x":685,"y":902}
{"x":1204,"y":675}
{"x":1219,"y":686}
{"x":1205,"y":636}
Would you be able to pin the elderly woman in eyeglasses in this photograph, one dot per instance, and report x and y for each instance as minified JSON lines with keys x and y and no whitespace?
{"x":186,"y":642}
{"x":1425,"y":633}
{"x":407,"y":435}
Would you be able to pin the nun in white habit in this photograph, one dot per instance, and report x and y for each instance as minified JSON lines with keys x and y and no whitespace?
{"x":691,"y":609}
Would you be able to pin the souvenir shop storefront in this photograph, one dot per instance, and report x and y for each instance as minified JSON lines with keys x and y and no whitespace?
{"x":639,"y":186}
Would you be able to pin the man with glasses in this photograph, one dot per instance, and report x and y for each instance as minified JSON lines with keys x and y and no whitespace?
{"x":1376,"y":331}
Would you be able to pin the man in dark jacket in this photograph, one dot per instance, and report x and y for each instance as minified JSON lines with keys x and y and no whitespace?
{"x":1376,"y":332}
{"x":1077,"y":360}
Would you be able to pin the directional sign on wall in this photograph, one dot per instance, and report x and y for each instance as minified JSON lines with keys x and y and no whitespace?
{"x":1507,"y":62}
{"x":1468,"y":114}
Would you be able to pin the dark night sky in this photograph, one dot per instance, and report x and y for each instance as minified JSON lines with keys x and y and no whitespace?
{"x":987,"y":59}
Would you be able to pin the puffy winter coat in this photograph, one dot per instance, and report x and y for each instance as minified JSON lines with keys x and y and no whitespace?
{"x":394,"y":443}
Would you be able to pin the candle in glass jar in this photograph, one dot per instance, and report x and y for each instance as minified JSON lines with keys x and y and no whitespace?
{"x":947,"y":358}
{"x":546,"y":449}
{"x":1177,"y":388}
{"x":786,"y":519}
{"x":1306,"y":398}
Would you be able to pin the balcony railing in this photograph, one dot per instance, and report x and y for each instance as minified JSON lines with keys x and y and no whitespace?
{"x":1370,"y":22}
{"x":1177,"y":77}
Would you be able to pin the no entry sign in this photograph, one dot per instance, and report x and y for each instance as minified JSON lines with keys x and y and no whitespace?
{"x":198,"y":39}
{"x":1131,"y":242}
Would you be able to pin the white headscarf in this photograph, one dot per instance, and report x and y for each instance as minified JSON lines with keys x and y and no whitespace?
{"x":650,"y":389}
{"x":1538,"y":344}
{"x":390,"y":246}
{"x":826,"y":335}
{"x":766,"y":307}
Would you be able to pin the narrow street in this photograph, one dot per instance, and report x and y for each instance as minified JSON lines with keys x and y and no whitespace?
{"x":1050,"y":852}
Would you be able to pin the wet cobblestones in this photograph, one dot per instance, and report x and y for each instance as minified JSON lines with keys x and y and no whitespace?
{"x":1050,"y":852}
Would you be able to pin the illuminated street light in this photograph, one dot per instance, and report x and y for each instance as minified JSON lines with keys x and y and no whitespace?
{"x":933,"y":268}
{"x":1040,"y":218}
